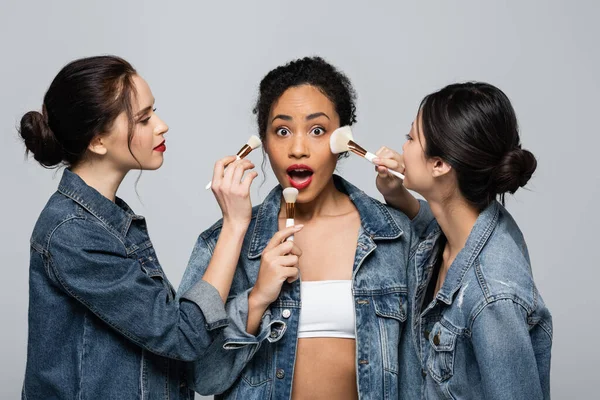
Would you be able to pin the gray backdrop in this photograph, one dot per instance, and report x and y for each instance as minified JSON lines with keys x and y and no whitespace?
{"x":204,"y":61}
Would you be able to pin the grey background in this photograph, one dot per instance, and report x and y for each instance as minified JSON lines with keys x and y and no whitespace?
{"x":204,"y":61}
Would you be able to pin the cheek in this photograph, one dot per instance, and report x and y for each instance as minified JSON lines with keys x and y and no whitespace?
{"x":325,"y":155}
{"x":274,"y":159}
{"x":142,"y":140}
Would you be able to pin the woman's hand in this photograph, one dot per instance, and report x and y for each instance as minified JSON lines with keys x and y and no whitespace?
{"x":279,"y":262}
{"x":232,"y":190}
{"x":387,"y":184}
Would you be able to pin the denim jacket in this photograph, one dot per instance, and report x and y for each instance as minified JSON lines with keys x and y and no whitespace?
{"x":243,"y":366}
{"x":103,"y":320}
{"x":487,"y":334}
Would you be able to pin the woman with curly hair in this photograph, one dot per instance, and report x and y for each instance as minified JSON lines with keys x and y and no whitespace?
{"x":321,"y":316}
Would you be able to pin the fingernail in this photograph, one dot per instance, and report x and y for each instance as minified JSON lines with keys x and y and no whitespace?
{"x":298,"y":227}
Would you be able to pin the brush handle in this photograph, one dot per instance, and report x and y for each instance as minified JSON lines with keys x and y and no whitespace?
{"x":210,"y":183}
{"x":288,"y":223}
{"x":370,"y":156}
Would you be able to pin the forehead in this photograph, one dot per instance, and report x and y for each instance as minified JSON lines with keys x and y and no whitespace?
{"x":303,"y":100}
{"x":143,"y":95}
{"x":418,"y":127}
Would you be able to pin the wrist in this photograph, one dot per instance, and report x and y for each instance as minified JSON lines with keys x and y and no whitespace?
{"x":257,"y":302}
{"x":396,"y":197}
{"x":235,"y":227}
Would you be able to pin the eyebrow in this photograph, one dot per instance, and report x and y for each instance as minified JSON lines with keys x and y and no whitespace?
{"x":283,"y":117}
{"x":316,"y":115}
{"x":308,"y":117}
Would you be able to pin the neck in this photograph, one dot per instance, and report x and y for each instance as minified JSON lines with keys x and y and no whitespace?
{"x":104,"y":179}
{"x":329,"y":203}
{"x":456,"y":217}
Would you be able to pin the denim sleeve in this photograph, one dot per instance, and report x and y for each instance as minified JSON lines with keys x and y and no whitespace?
{"x":93,"y":267}
{"x":421,"y":225}
{"x":224,"y":361}
{"x":222,"y":365}
{"x":422,"y":220}
{"x":504,"y":352}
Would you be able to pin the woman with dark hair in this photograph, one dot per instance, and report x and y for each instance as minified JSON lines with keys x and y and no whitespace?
{"x":103,"y":319}
{"x":319,"y":317}
{"x":481,"y":329}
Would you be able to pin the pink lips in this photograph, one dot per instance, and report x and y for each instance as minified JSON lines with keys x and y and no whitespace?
{"x":300,"y":175}
{"x":161,"y":147}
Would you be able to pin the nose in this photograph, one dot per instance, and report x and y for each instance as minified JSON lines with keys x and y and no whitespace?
{"x":299,"y":147}
{"x":161,"y":127}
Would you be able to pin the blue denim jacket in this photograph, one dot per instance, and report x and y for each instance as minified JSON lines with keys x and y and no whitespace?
{"x":487,"y":334}
{"x":243,"y":366}
{"x":103,"y":320}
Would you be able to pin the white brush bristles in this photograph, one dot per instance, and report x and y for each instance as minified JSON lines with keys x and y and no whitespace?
{"x":338,"y":142}
{"x":254,"y":142}
{"x":290,"y":194}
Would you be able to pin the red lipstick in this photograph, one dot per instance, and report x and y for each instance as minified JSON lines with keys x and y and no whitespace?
{"x":300,"y":175}
{"x":161,"y":147}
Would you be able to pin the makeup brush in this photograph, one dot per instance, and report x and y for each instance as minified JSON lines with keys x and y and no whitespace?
{"x":341,"y":140}
{"x":251,"y":144}
{"x":290,"y":195}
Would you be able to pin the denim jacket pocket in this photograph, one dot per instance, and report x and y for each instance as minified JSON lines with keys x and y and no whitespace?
{"x":390,"y":309}
{"x":441,"y":353}
{"x":152,"y":268}
{"x":258,"y":369}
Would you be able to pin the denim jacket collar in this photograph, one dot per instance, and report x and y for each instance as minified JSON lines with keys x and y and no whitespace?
{"x":376,"y":220}
{"x":481,"y":232}
{"x":117,"y":215}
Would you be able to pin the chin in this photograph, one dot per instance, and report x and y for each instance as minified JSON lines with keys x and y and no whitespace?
{"x":305,"y":197}
{"x":152,"y":167}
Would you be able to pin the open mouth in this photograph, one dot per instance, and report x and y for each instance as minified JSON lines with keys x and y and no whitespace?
{"x":300,"y":176}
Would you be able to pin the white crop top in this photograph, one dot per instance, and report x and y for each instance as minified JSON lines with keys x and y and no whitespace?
{"x":327,"y":309}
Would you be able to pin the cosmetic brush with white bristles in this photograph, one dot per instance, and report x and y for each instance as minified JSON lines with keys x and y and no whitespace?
{"x":251,"y":144}
{"x":341,"y":140}
{"x":290,"y":195}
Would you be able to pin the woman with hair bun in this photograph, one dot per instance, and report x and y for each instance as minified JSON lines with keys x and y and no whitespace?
{"x":479,"y":328}
{"x":103,"y":319}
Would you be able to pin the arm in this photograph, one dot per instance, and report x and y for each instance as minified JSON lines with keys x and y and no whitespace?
{"x":397,"y":196}
{"x":504,"y":352}
{"x":391,"y":187}
{"x":250,"y":324}
{"x":233,"y":196}
{"x":93,"y":266}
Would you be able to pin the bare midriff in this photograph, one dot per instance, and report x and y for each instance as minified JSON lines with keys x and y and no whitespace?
{"x":325,"y":369}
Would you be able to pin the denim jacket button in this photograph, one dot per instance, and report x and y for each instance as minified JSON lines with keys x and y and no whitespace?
{"x":424,"y":373}
{"x":286,"y":313}
{"x":274,"y":334}
{"x":436,"y":339}
{"x":280,"y":374}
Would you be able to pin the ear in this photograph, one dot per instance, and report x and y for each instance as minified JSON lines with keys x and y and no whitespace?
{"x":97,"y":146}
{"x":439,"y":167}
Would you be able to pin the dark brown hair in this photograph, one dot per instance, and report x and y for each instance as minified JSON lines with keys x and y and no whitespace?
{"x":473,"y":127}
{"x":82,"y":102}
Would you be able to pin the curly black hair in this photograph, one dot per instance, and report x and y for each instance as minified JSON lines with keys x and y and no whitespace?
{"x":313,"y":71}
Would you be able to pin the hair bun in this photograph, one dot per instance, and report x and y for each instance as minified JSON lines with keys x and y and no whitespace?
{"x":40,"y":140}
{"x":514,"y":171}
